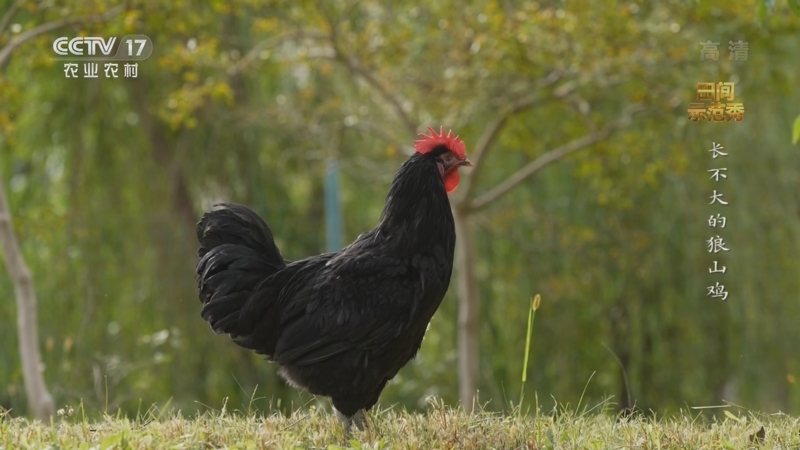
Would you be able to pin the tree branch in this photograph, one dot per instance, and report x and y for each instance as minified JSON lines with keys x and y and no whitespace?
{"x":493,"y":130}
{"x":8,"y":49}
{"x":486,"y":140}
{"x":550,"y":157}
{"x":381,"y":133}
{"x":268,"y":43}
{"x":355,"y":67}
{"x":9,"y":15}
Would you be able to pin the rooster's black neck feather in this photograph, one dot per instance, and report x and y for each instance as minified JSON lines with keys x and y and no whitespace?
{"x":417,"y":210}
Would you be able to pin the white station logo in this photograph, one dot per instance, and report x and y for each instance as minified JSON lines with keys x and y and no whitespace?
{"x":76,"y":46}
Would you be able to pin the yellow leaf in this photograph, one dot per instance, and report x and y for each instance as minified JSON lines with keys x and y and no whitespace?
{"x":222,"y":92}
{"x":730,"y":415}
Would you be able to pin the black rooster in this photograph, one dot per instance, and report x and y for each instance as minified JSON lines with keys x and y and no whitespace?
{"x":339,"y":324}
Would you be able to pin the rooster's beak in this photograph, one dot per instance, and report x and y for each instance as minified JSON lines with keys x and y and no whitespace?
{"x":465,"y":162}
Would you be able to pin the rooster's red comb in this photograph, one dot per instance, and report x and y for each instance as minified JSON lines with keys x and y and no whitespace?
{"x":428,"y":143}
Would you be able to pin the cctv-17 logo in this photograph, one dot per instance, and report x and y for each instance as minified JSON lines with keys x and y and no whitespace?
{"x":75,"y":46}
{"x":135,"y":47}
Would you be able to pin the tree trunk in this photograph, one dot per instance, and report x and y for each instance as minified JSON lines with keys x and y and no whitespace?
{"x":468,"y":367}
{"x":39,"y":399}
{"x":163,"y":152}
{"x":620,"y":346}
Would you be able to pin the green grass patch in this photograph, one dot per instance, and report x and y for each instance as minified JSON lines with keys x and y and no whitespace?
{"x":440,"y":427}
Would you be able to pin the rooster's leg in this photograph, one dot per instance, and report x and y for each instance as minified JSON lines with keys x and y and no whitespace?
{"x":358,"y":419}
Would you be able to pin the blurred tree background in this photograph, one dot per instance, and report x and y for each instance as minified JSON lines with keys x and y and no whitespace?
{"x":246,"y":101}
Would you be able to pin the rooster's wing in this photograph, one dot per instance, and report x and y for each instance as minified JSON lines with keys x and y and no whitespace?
{"x":352,"y":303}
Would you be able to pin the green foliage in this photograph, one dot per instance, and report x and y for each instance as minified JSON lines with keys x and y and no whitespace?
{"x":245,"y":101}
{"x":769,"y":5}
{"x":796,"y":130}
{"x":794,"y":6}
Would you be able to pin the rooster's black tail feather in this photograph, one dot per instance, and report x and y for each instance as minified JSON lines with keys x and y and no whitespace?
{"x":237,"y":255}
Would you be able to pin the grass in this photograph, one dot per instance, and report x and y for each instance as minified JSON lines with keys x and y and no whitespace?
{"x":440,"y":427}
{"x":535,"y":302}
